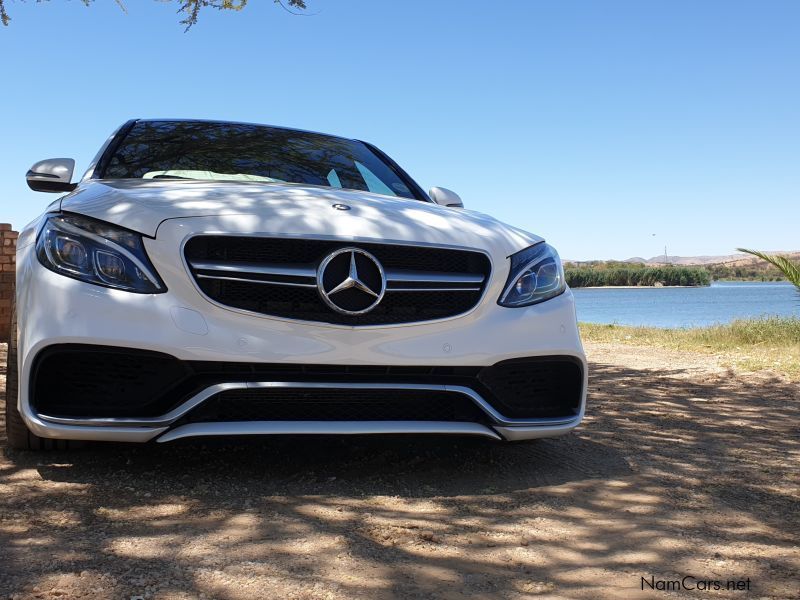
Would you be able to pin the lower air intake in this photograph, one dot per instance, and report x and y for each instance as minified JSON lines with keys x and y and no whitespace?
{"x":271,"y":404}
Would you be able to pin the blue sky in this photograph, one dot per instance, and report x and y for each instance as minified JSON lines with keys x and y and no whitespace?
{"x":594,"y":124}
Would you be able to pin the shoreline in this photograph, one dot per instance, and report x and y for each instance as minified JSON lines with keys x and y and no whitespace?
{"x":650,"y":287}
{"x":636,"y":287}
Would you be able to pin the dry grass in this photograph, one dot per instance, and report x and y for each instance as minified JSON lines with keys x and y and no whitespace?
{"x":753,"y":345}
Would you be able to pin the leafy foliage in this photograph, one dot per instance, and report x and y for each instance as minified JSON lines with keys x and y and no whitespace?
{"x":753,"y":271}
{"x":787,"y":267}
{"x":189,"y":8}
{"x":635,"y":275}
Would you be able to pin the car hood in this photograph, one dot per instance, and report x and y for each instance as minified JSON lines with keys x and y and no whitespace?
{"x":288,"y":209}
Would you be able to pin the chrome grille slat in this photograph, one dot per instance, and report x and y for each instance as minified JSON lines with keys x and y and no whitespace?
{"x":205,"y":269}
{"x":313,"y":285}
{"x":261,"y":269}
{"x":262,"y":281}
{"x":434,"y":289}
{"x":393,"y":275}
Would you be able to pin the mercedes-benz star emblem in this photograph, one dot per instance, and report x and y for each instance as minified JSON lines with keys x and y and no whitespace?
{"x":351,"y":281}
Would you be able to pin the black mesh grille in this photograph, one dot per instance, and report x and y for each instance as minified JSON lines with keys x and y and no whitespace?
{"x":535,"y":387}
{"x":305,"y":303}
{"x":75,"y":380}
{"x":292,"y":250}
{"x":102,"y":381}
{"x":336,"y":405}
{"x":221,"y":371}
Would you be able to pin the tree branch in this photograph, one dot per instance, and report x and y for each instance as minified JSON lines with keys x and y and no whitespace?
{"x":190,"y":8}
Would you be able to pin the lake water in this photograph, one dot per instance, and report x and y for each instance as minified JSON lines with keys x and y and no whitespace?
{"x":686,"y":307}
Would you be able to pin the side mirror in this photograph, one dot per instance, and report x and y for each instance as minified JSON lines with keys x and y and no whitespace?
{"x":51,"y":175}
{"x":445,"y":197}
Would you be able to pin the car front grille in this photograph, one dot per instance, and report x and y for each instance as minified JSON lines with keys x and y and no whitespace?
{"x":280,"y":404}
{"x":278,"y":277}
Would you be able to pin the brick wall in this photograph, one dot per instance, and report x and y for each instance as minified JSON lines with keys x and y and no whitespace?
{"x":8,"y":249}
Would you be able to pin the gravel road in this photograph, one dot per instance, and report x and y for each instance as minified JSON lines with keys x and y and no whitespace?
{"x":682,"y":467}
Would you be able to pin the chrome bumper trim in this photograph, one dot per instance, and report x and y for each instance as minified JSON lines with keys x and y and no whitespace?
{"x":167,"y":419}
{"x":530,"y":433}
{"x":98,"y":433}
{"x":327,"y":428}
{"x":499,"y":419}
{"x":162,"y":421}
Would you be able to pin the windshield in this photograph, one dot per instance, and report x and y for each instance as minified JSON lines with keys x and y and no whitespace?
{"x":243,"y":152}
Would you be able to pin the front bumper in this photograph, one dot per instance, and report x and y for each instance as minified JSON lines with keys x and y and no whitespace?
{"x":54,"y":310}
{"x":81,"y":385}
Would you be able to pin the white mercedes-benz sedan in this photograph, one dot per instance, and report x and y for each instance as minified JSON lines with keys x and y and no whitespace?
{"x":210,"y":278}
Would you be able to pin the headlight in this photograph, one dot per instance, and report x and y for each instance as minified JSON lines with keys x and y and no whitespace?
{"x":536,"y":276}
{"x":97,"y":252}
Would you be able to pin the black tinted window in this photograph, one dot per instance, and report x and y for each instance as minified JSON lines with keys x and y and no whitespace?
{"x":241,"y":152}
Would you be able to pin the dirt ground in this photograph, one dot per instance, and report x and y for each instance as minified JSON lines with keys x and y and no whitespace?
{"x":682,"y":467}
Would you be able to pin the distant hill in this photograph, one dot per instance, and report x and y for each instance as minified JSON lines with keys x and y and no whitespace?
{"x":738,"y":259}
{"x":741,"y":267}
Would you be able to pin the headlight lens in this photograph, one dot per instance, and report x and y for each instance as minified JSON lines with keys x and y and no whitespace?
{"x":98,"y":253}
{"x":536,"y":275}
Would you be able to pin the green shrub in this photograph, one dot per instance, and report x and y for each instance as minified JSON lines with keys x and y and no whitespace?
{"x":636,"y":275}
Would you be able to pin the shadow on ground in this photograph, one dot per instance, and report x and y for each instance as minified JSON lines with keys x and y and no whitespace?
{"x":671,"y":473}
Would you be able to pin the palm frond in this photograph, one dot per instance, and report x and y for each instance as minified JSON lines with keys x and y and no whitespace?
{"x":787,"y":267}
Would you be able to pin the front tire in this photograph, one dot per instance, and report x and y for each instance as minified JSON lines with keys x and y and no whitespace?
{"x":17,"y":433}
